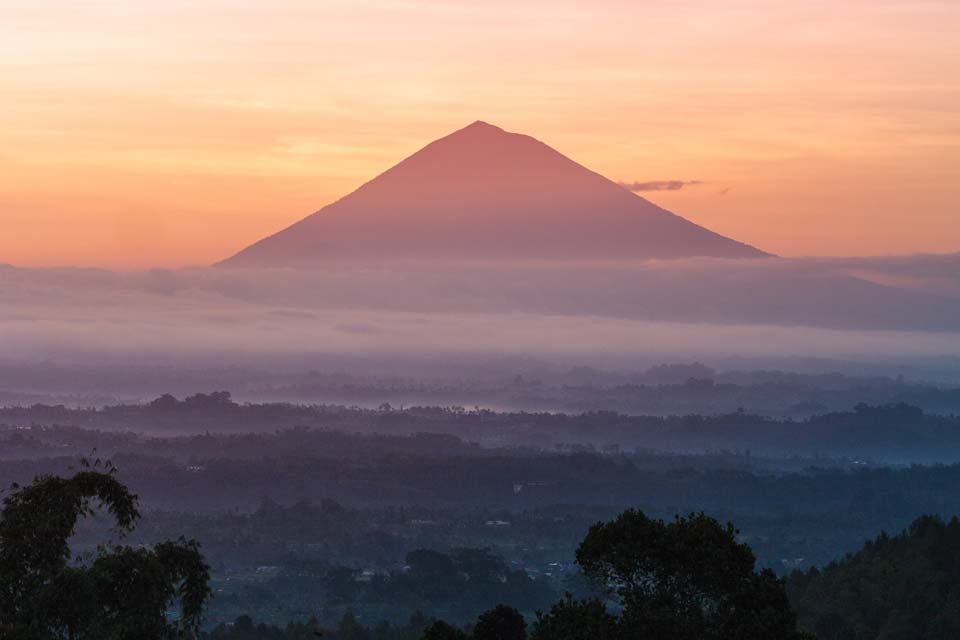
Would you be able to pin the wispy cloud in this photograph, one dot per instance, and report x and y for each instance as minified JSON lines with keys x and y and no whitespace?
{"x":659,"y":185}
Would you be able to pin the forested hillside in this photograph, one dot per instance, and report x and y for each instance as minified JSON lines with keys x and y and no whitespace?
{"x":902,"y":587}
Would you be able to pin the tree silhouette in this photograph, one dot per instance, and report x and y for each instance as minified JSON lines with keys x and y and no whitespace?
{"x":441,"y":630}
{"x":500,"y":623}
{"x":124,"y":593}
{"x":900,"y":586}
{"x":685,"y":579}
{"x":572,"y":619}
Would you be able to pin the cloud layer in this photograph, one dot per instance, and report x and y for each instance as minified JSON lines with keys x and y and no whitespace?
{"x":659,"y":185}
{"x":775,"y":307}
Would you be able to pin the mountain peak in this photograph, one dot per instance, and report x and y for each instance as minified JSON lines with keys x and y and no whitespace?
{"x":472,"y":133}
{"x":480,"y":132}
{"x":480,"y":125}
{"x":483,"y":193}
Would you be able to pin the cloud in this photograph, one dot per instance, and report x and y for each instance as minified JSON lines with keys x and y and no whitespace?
{"x":358,"y":328}
{"x":285,"y":318}
{"x":692,"y":290}
{"x":659,"y":185}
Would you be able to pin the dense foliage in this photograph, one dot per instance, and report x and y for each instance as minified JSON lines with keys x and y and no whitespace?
{"x":896,"y":588}
{"x":308,"y":522}
{"x":577,"y":620}
{"x":122,"y":593}
{"x":284,"y":516}
{"x":686,"y":579}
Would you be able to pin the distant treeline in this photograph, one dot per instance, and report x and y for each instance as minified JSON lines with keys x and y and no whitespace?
{"x":662,"y":390}
{"x":510,"y":384}
{"x":896,"y":433}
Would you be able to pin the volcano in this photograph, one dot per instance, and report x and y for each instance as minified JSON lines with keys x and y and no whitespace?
{"x":485,"y":194}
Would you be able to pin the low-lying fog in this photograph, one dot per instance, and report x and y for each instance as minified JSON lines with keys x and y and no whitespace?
{"x":867,"y":308}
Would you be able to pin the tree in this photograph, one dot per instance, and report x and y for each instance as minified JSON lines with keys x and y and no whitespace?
{"x":124,"y":593}
{"x":500,"y":623}
{"x":686,"y":579}
{"x":350,"y":629}
{"x":901,"y":586}
{"x":441,"y":630}
{"x":431,"y":565}
{"x":480,"y":565}
{"x":572,"y":619}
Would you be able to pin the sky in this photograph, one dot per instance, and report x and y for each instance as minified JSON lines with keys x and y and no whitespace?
{"x":140,"y":133}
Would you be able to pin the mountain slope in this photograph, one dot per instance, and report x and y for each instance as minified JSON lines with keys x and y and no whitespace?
{"x":482,"y":193}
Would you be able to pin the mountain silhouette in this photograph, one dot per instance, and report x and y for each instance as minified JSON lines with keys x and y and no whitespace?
{"x":482,"y":193}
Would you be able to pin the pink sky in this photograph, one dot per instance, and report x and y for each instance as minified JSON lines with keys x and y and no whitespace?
{"x":138,"y":133}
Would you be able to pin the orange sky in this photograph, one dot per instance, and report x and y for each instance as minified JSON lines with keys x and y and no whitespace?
{"x":139,"y":133}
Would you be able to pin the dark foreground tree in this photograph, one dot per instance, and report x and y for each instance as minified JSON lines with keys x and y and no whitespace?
{"x":500,"y":623}
{"x":122,"y":594}
{"x":895,"y":587}
{"x":441,"y":630}
{"x":685,"y":579}
{"x":572,"y":619}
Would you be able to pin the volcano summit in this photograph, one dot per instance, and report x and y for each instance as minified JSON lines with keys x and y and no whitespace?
{"x":484,"y":194}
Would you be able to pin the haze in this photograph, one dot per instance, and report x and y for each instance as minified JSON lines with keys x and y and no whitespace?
{"x":441,"y":310}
